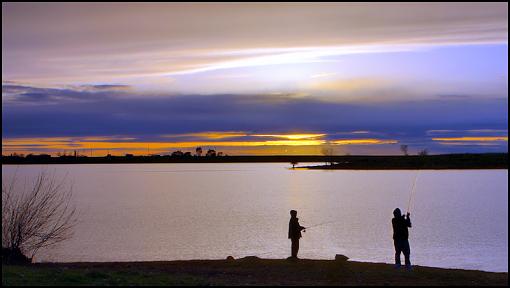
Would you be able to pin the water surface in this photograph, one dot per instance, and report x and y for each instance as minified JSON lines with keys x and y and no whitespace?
{"x":152,"y":212}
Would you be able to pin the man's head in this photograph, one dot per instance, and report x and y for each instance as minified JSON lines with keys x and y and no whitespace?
{"x":397,"y":213}
{"x":293,"y":213}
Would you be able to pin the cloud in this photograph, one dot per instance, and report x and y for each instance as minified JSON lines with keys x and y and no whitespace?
{"x":132,"y":145}
{"x":114,"y":116}
{"x":67,"y":112}
{"x":30,"y":95}
{"x":154,"y":39}
{"x":104,"y":87}
{"x":295,"y":55}
{"x":476,"y":139}
{"x":362,"y":142}
{"x":213,"y":135}
{"x":483,"y":132}
{"x":292,"y":136}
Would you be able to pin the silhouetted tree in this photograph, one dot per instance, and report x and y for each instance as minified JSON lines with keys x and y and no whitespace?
{"x":293,"y":163}
{"x":211,"y":153}
{"x":37,"y":217}
{"x":199,"y":151}
{"x":404,"y":149}
{"x":423,"y":152}
{"x":327,"y":151}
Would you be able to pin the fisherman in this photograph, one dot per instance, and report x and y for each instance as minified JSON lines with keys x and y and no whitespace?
{"x":294,"y":233}
{"x":400,"y":224}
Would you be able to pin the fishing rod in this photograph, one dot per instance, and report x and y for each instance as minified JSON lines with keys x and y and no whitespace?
{"x":413,"y":189}
{"x":320,"y":224}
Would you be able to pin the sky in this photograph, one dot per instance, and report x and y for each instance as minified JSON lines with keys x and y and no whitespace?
{"x":254,"y":79}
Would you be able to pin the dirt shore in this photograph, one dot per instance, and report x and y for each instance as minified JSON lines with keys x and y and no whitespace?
{"x":245,"y":271}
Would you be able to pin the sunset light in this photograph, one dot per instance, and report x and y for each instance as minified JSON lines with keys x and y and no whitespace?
{"x":254,"y":143}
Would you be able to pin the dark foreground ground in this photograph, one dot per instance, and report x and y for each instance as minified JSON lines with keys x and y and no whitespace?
{"x":246,"y":271}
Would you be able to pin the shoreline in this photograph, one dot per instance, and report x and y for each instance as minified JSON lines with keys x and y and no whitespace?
{"x":249,"y":270}
{"x":346,"y":162}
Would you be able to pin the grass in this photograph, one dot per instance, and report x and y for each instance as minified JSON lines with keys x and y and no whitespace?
{"x":63,"y":276}
{"x":246,"y":271}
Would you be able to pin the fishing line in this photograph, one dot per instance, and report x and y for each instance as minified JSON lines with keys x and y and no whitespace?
{"x":320,"y":224}
{"x":412,"y":191}
{"x":244,"y":254}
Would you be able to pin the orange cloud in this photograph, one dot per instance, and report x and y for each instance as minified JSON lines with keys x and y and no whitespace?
{"x":483,"y":139}
{"x":362,"y":142}
{"x":211,"y":135}
{"x":292,"y":136}
{"x":123,"y":144}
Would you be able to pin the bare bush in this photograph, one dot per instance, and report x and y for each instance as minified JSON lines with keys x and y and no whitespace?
{"x":36,"y":216}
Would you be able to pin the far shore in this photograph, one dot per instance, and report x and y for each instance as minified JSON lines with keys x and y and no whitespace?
{"x":354,"y":162}
{"x":245,"y":271}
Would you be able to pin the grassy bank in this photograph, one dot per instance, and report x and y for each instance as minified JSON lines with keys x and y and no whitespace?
{"x":246,"y":271}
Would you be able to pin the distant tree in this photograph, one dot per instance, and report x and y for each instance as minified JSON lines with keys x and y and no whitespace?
{"x":327,"y":151}
{"x":423,"y":152}
{"x":177,"y":154}
{"x":211,"y":153}
{"x":198,"y":151}
{"x":404,"y":149}
{"x":35,"y":217}
{"x":293,"y":163}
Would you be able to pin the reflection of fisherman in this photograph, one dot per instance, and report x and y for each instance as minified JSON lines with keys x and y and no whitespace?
{"x":400,"y":224}
{"x":294,"y":233}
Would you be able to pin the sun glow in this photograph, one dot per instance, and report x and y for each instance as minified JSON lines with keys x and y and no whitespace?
{"x":292,"y":136}
{"x":119,"y":145}
{"x":362,"y":141}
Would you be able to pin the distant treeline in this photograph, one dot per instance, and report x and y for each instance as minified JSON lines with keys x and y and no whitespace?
{"x":443,"y":161}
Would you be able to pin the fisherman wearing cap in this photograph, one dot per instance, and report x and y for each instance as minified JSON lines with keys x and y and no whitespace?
{"x":294,"y":233}
{"x":400,"y":224}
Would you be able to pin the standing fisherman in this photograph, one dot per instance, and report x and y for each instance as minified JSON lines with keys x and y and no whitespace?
{"x":400,"y":224}
{"x":294,"y":233}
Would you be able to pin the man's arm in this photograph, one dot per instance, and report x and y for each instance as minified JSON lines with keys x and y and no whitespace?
{"x":300,"y":227}
{"x":408,"y":220}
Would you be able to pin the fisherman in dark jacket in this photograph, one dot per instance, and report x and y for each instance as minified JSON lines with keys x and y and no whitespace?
{"x":294,"y":233}
{"x":400,"y":224}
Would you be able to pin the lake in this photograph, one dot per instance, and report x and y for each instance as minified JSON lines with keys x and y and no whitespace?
{"x":148,"y":212}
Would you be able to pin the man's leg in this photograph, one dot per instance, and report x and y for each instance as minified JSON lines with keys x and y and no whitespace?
{"x":407,"y":253}
{"x":398,"y":250}
{"x":295,"y":247}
